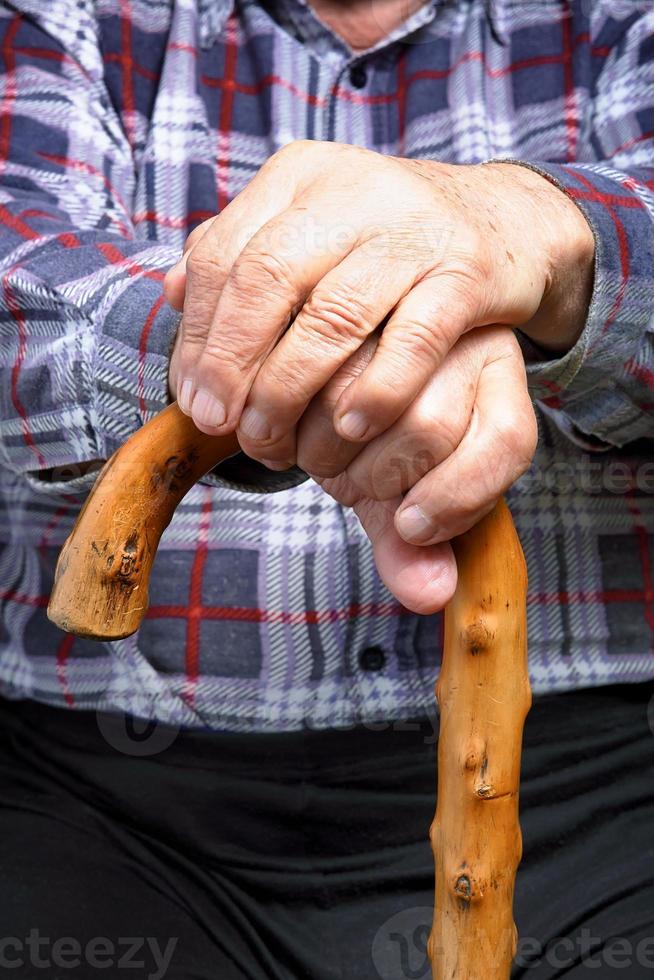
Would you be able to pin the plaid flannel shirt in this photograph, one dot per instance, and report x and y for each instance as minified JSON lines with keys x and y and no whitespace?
{"x":124,"y":123}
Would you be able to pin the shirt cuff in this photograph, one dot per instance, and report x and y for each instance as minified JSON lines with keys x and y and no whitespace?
{"x":598,"y":385}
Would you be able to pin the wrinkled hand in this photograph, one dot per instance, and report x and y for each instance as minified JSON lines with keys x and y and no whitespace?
{"x":468,"y":436}
{"x":335,"y":240}
{"x":350,"y":312}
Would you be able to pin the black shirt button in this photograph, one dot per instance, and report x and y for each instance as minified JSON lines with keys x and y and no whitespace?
{"x":372,"y":659}
{"x":358,"y":76}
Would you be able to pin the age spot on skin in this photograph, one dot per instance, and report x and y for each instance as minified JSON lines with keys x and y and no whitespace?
{"x":509,"y":256}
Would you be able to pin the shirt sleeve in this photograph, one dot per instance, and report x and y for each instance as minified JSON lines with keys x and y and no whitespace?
{"x":86,"y":333}
{"x":603,"y":389}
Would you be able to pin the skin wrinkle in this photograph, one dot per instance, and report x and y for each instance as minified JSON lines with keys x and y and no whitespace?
{"x":510,"y":250}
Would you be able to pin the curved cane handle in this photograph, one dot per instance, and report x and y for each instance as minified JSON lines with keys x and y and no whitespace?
{"x":101,"y":579}
{"x":484,"y":696}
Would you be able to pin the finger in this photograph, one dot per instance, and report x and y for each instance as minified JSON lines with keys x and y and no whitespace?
{"x":263,"y":197}
{"x":415,"y":341}
{"x":265,"y":287}
{"x":208,"y":262}
{"x":496,"y":449}
{"x":422,"y":579}
{"x":320,"y":451}
{"x":175,"y":278}
{"x":429,"y":430}
{"x":345,"y":308}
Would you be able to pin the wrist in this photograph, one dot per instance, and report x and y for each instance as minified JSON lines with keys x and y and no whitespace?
{"x":567,"y":245}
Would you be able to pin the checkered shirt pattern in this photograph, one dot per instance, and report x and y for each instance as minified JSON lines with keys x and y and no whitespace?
{"x":125,"y":123}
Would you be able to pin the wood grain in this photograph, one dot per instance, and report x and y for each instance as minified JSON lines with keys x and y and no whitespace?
{"x":484,"y":697}
{"x":102,"y":576}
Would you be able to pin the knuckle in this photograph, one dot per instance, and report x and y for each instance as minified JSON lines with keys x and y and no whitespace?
{"x":466,"y":276}
{"x":460,"y":505}
{"x":198,"y":232}
{"x":279,"y":382}
{"x":321,"y":468}
{"x":288,"y":155}
{"x":465,"y":519}
{"x":329,"y":317}
{"x":203,"y":268}
{"x":423,"y":345}
{"x":343,"y":490}
{"x":294,"y":147}
{"x":255,"y":274}
{"x":517,"y":435}
{"x":194,"y":329}
{"x":437,"y":429}
{"x":220,"y":360}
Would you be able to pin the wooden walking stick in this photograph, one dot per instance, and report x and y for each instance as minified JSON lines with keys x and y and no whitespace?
{"x":484,"y":696}
{"x":101,"y":592}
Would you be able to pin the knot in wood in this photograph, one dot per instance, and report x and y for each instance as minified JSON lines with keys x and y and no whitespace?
{"x":474,"y":756}
{"x":478,"y":637}
{"x":463,"y":889}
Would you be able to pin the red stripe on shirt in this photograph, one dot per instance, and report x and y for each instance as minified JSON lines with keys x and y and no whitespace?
{"x":116,"y":257}
{"x":571,"y":114}
{"x":640,"y":371}
{"x":129,"y":104}
{"x":143,"y":347}
{"x":63,"y":652}
{"x":285,"y":617}
{"x":225,"y":118}
{"x":623,"y":245}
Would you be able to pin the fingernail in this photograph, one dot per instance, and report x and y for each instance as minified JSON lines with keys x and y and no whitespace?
{"x":274,"y":464}
{"x":353,"y":425}
{"x":413,"y":524}
{"x":254,"y":424}
{"x":207,"y":410}
{"x":185,"y":396}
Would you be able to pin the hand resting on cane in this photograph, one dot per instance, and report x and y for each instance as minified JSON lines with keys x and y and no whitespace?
{"x":284,"y":291}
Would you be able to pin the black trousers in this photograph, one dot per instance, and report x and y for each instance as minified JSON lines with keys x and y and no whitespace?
{"x":133,"y":853}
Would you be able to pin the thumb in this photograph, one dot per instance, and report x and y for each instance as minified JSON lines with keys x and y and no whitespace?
{"x":422,"y":578}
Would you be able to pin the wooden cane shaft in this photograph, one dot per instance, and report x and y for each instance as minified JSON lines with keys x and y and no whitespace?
{"x":484,"y":696}
{"x":101,"y":579}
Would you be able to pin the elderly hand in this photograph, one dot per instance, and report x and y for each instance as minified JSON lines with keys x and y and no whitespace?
{"x":469,"y":434}
{"x":283,"y":298}
{"x":335,"y":240}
